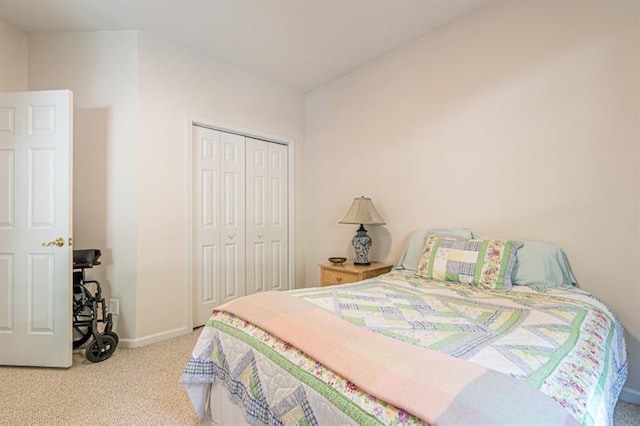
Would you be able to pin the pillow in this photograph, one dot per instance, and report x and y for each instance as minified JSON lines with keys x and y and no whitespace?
{"x":481,"y":263}
{"x":539,"y":263}
{"x":415,"y":244}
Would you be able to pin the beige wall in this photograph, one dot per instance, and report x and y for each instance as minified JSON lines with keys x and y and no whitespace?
{"x":133,"y":94}
{"x":175,"y":83}
{"x":14,"y":60}
{"x":101,"y":70}
{"x":520,"y":120}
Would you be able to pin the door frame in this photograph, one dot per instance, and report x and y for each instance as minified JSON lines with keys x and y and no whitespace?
{"x":195,"y":120}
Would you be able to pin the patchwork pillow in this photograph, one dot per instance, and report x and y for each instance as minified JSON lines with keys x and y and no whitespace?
{"x":481,"y":263}
{"x":539,"y":263}
{"x":415,"y":244}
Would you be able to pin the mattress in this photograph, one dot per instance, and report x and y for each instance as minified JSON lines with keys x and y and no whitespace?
{"x":562,"y":342}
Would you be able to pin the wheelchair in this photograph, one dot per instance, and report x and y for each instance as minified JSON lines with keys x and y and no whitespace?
{"x":90,"y":309}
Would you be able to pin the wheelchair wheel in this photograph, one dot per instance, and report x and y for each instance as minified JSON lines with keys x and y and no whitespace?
{"x":93,"y":352}
{"x":114,"y":335}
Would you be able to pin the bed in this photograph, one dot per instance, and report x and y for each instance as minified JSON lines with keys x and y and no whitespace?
{"x":465,"y":330}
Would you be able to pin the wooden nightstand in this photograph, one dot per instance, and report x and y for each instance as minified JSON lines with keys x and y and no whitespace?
{"x":331,"y":274}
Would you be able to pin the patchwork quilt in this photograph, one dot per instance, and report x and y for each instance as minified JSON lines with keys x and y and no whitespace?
{"x":561,"y":341}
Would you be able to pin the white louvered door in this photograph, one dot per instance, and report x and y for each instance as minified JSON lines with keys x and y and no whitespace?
{"x":35,"y":209}
{"x":239,"y":218}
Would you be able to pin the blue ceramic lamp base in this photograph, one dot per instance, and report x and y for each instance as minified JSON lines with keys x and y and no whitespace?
{"x":361,"y":243}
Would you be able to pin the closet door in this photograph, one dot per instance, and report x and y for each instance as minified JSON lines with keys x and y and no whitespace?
{"x":278,"y":217}
{"x":267,"y":216}
{"x":257,"y":182}
{"x":206,"y":232}
{"x":233,"y":216}
{"x":218,"y":240}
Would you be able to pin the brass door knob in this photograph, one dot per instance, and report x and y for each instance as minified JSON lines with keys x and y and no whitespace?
{"x":58,"y":242}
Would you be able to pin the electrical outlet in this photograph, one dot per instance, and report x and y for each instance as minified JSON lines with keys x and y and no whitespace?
{"x":114,"y":306}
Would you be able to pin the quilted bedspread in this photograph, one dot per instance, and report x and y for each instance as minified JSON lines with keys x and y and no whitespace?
{"x":561,"y":341}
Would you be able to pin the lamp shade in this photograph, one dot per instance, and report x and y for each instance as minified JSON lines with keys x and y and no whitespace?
{"x":363,"y":212}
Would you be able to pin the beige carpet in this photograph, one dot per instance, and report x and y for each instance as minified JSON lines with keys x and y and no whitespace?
{"x":133,"y":387}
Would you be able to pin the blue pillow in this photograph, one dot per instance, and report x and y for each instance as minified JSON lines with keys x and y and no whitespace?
{"x":541,"y":263}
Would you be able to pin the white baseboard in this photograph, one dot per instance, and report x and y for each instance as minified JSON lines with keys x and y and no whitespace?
{"x":632,"y":396}
{"x":154,"y":338}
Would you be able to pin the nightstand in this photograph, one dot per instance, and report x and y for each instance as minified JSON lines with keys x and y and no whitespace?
{"x":331,"y":274}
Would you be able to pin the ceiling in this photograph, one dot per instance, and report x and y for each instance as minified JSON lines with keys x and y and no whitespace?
{"x":301,"y":44}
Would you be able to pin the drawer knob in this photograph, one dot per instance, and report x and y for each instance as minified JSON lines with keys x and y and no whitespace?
{"x":338,"y":279}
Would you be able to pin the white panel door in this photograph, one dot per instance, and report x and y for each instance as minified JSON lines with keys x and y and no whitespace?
{"x":233,"y":216}
{"x":206,"y":274}
{"x":35,"y":211}
{"x":278,"y":217}
{"x":267,"y":216}
{"x":218,"y":230}
{"x":257,"y":220}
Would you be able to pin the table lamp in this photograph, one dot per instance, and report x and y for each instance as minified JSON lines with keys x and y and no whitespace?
{"x":362,"y":212}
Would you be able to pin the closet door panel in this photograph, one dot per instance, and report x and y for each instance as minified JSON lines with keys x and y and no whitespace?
{"x":278,"y":277}
{"x":233,"y":215}
{"x":278,"y":217}
{"x":257,"y":220}
{"x":210,"y":273}
{"x":256,"y":269}
{"x":205,"y":223}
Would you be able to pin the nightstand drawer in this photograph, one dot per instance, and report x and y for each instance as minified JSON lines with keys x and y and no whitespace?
{"x":349,"y":273}
{"x":330,"y":277}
